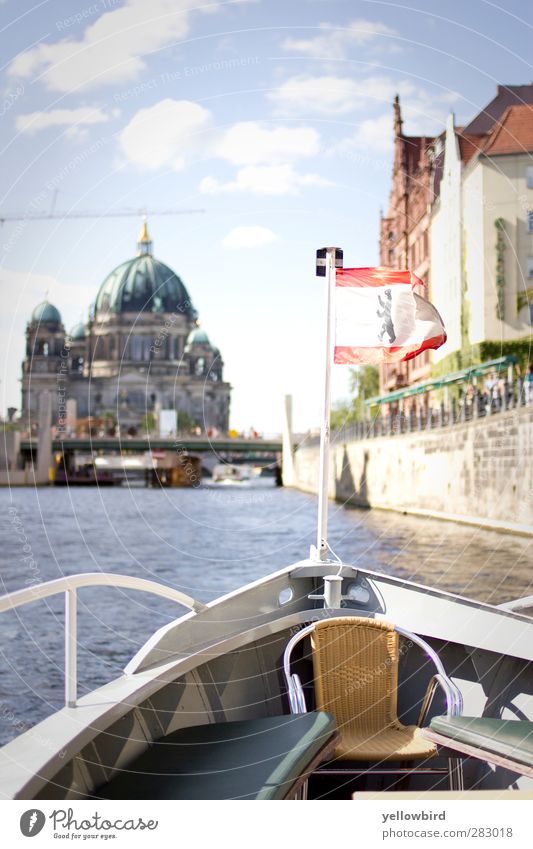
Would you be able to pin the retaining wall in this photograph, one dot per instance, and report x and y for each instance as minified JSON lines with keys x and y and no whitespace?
{"x":479,"y":471}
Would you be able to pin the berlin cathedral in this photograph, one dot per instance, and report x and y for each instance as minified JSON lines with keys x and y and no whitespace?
{"x":141,"y":351}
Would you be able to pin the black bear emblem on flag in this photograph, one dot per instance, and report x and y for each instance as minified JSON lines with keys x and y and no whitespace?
{"x":387,"y":325}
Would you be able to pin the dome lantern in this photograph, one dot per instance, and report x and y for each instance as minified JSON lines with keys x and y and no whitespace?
{"x":144,"y":242}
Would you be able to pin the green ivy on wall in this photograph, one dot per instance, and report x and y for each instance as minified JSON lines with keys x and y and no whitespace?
{"x":523,"y":299}
{"x":482,"y":352}
{"x":500,"y":268}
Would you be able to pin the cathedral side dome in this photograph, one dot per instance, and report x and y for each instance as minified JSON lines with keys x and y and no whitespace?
{"x":197,"y":337}
{"x":77,"y":334}
{"x":46,"y":312}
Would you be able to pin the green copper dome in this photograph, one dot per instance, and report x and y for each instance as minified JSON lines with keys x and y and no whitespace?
{"x":197,"y":337}
{"x":143,"y":284}
{"x":46,"y":312}
{"x":77,"y":334}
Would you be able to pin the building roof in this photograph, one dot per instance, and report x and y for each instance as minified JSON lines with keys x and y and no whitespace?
{"x":46,"y":312}
{"x":143,"y":284}
{"x":506,"y":95}
{"x":197,"y":337}
{"x":469,"y":145}
{"x":513,"y":133}
{"x":77,"y":334}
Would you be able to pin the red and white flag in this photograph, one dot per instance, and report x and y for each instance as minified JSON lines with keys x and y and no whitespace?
{"x":380,"y":319}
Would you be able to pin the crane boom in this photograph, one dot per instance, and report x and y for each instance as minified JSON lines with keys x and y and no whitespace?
{"x":48,"y":216}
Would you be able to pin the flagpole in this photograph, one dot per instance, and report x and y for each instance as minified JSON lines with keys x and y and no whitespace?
{"x":333,"y":257}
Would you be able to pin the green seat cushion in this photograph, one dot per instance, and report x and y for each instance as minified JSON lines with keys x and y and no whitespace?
{"x":510,"y":738}
{"x":251,"y":759}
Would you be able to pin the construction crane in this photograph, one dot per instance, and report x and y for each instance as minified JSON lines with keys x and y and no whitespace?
{"x":49,"y":216}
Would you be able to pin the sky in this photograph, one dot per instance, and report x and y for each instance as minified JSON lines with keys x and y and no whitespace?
{"x":273,"y":117}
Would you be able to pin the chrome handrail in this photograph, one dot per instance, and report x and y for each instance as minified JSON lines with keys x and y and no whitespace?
{"x":69,"y":585}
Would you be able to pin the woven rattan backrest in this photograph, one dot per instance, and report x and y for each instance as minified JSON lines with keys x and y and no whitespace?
{"x":355,"y":663}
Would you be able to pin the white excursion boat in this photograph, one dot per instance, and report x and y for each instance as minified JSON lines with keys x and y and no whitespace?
{"x":230,"y":473}
{"x":316,"y":681}
{"x":216,"y":675}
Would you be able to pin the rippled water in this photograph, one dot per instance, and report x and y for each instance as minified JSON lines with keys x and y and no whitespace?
{"x":204,"y":542}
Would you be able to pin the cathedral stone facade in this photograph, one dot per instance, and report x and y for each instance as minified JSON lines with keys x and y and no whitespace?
{"x":141,"y":351}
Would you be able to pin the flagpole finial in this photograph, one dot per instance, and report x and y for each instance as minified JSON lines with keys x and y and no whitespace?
{"x":321,"y":259}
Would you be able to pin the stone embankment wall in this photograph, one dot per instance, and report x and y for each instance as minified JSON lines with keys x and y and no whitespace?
{"x":479,"y":471}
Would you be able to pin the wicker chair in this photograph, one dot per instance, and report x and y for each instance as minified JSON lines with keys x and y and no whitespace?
{"x":355,"y":668}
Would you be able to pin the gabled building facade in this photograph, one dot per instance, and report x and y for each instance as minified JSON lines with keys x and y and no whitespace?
{"x":482,"y":227}
{"x":460,"y":216}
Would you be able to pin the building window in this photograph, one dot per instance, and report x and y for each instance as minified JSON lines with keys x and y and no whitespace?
{"x":531,"y":313}
{"x":530,"y":266}
{"x":146,"y":348}
{"x":529,"y":176}
{"x":530,"y":221}
{"x":136,"y":348}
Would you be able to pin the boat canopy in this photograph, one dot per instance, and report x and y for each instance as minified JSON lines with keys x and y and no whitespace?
{"x":445,"y":380}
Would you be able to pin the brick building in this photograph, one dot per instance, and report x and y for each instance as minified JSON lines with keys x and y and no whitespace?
{"x":404,"y":231}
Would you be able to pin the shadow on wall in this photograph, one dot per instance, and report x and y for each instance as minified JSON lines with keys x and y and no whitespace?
{"x":346,"y":488}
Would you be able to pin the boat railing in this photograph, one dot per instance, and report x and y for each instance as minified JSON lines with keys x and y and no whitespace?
{"x":69,"y":585}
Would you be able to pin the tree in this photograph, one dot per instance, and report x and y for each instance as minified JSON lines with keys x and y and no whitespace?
{"x":150,"y":422}
{"x":185,"y":422}
{"x":364,"y":384}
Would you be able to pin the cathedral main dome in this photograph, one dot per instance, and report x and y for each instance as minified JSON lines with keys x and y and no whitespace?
{"x":143,"y":284}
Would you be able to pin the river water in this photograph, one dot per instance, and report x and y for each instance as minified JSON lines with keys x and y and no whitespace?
{"x":205,"y":542}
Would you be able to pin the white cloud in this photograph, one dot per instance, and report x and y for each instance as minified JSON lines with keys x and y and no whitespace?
{"x":372,"y":134}
{"x":163,"y":135}
{"x":166,"y":134}
{"x":74,"y":119}
{"x":33,"y":288}
{"x":334,"y":42}
{"x":248,"y":143}
{"x":332,"y":95}
{"x":249,"y":237}
{"x":112,"y":49}
{"x":264,"y":180}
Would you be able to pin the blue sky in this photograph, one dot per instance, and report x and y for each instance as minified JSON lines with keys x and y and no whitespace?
{"x":274,"y":117}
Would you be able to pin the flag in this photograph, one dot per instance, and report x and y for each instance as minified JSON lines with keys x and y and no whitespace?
{"x":380,"y":319}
